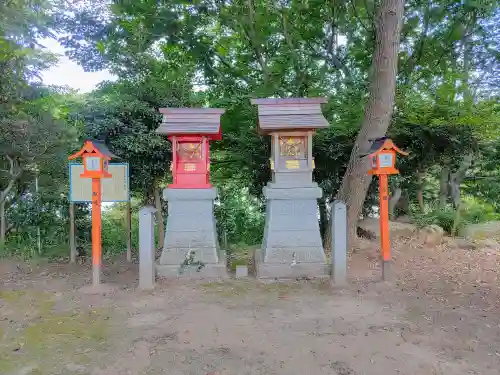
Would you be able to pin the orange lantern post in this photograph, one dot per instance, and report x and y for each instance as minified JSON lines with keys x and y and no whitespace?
{"x":96,"y":157}
{"x":382,"y":155}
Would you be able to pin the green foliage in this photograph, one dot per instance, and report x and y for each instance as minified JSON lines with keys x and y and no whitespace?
{"x":222,"y":54}
{"x":441,"y":217}
{"x":471,"y":212}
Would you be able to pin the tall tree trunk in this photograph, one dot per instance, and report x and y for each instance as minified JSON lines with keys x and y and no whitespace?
{"x":3,"y":224}
{"x":457,"y":177}
{"x":420,"y":191}
{"x":378,"y":111}
{"x":444,"y":186}
{"x":323,"y":216}
{"x":393,"y":201}
{"x":159,"y":218}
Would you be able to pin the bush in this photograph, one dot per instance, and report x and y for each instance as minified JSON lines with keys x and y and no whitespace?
{"x":471,"y":212}
{"x":443,"y":218}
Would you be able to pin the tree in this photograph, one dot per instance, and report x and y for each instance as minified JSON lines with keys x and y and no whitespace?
{"x":378,"y":111}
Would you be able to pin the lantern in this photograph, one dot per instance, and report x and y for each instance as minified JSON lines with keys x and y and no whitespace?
{"x":382,"y":156}
{"x":96,"y":157}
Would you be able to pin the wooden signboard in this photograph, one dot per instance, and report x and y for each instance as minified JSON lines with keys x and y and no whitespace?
{"x":114,"y":189}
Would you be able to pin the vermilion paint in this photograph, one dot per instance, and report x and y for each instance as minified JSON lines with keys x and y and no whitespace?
{"x":387,"y":148}
{"x":190,"y":172}
{"x":96,"y":231}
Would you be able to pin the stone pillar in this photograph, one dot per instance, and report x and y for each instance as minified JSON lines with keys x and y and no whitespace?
{"x":339,"y":243}
{"x":292,"y":244}
{"x":191,"y":227}
{"x":146,"y":248}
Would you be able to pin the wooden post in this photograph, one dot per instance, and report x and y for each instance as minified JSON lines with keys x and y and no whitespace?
{"x":339,"y":243}
{"x":96,"y":232}
{"x":384,"y":225}
{"x":128,"y":218}
{"x":146,"y":248}
{"x":72,"y":233}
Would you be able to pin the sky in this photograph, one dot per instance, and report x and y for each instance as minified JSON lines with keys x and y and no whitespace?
{"x":69,"y":73}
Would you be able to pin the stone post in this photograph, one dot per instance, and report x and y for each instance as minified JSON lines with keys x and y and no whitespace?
{"x":339,"y":243}
{"x":146,"y":248}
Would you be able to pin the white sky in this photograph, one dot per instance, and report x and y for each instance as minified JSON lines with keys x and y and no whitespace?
{"x":69,"y":73}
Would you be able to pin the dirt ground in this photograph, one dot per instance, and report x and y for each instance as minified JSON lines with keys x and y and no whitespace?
{"x":438,"y":315}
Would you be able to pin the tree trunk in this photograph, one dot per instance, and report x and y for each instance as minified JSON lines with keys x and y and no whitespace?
{"x":393,"y":201}
{"x":420,"y":191}
{"x":323,"y":216}
{"x":3,"y":224}
{"x":456,"y":179}
{"x":443,"y":186}
{"x":403,"y":203}
{"x":159,"y":218}
{"x":378,"y":111}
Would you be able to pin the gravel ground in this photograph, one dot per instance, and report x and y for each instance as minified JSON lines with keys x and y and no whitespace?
{"x":438,"y":315}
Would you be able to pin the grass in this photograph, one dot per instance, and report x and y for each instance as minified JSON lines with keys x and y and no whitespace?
{"x":33,"y":335}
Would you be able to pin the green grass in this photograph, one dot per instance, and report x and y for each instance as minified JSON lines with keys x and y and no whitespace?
{"x":34,"y":335}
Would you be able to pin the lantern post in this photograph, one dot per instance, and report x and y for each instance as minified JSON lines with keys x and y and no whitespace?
{"x":95,"y":156}
{"x":382,"y":155}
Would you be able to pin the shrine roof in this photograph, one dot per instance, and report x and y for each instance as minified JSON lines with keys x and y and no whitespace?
{"x":187,"y":121}
{"x":91,"y":145}
{"x":290,"y":113}
{"x":377,"y":145}
{"x":382,"y":143}
{"x":101,"y":147}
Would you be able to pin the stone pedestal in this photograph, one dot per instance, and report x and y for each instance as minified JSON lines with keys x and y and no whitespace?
{"x":292,"y":244}
{"x":191,"y":227}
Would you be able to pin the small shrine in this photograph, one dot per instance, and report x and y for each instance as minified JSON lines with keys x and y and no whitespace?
{"x":291,"y":124}
{"x":191,"y":234}
{"x":292,"y":245}
{"x":190,"y":130}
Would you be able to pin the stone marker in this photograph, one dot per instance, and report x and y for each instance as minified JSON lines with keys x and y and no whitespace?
{"x":339,"y":243}
{"x":241,"y":271}
{"x":146,"y":248}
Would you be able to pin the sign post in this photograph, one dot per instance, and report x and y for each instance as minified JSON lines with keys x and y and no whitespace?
{"x":383,"y":159}
{"x":96,"y":158}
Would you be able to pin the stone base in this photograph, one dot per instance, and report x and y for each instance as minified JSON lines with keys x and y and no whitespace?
{"x":291,"y":234}
{"x":210,"y":271}
{"x":190,"y":227}
{"x":298,"y":271}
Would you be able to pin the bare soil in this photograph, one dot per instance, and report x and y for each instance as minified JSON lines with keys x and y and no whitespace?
{"x":439,"y":314}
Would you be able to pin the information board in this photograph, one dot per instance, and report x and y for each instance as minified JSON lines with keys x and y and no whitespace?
{"x":114,"y":189}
